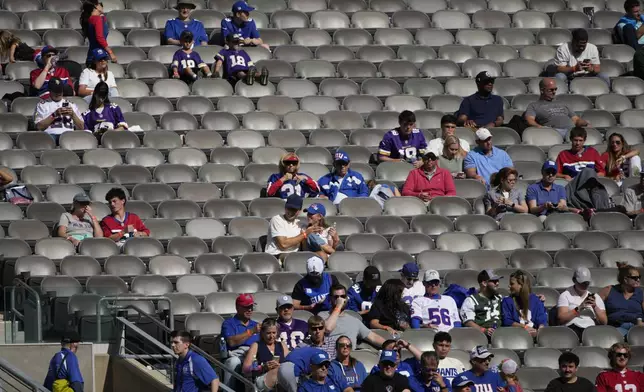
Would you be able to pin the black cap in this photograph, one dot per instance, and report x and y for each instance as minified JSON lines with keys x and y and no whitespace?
{"x":430,"y":156}
{"x":186,"y":35}
{"x":70,"y":337}
{"x":371,"y":276}
{"x":484,"y":77}
{"x":55,"y":85}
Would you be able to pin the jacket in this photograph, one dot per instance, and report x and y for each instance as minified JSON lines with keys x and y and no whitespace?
{"x":441,"y":183}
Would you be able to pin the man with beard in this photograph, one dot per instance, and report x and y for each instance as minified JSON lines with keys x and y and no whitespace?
{"x":285,"y":234}
{"x":292,"y":330}
{"x":386,"y":379}
{"x":405,"y":143}
{"x":481,"y":109}
{"x":342,"y":182}
{"x":319,"y":381}
{"x":362,"y":294}
{"x":413,"y":287}
{"x":428,"y":378}
{"x":619,"y":378}
{"x":447,"y":367}
{"x":484,"y":378}
{"x":311,"y":292}
{"x":482,"y":310}
{"x":568,"y":380}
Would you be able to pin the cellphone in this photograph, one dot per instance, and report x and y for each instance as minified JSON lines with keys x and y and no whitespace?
{"x":586,"y":61}
{"x":65,"y":104}
{"x":276,"y":358}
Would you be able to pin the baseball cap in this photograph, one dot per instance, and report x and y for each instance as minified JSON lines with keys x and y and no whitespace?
{"x":81,"y":198}
{"x":461,"y":381}
{"x":295,"y":202}
{"x":508,"y":366}
{"x":484,"y":77}
{"x":488,"y":274}
{"x":431,"y":275}
{"x":242,"y":6}
{"x":410,"y":270}
{"x":371,"y":276}
{"x":316,"y":208}
{"x":48,"y":49}
{"x":341,"y":156}
{"x":314,"y":265}
{"x":582,"y":275}
{"x":245,"y":300}
{"x":283,"y":300}
{"x":291,"y":156}
{"x":320,"y":358}
{"x":483,"y":134}
{"x":480,"y":352}
{"x":55,"y":85}
{"x":547,"y":165}
{"x":99,"y":54}
{"x":187,"y":36}
{"x":70,"y":337}
{"x":430,"y":156}
{"x":388,"y":356}
{"x":187,"y":4}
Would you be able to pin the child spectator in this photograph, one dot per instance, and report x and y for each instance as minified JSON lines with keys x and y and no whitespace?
{"x":187,"y":63}
{"x":508,"y":369}
{"x":237,"y":64}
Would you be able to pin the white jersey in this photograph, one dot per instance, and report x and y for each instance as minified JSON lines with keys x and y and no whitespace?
{"x":450,"y":368}
{"x":415,"y":291}
{"x":441,"y":311}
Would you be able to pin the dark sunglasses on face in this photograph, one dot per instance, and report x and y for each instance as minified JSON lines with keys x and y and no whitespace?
{"x":550,"y":172}
{"x":636,"y":277}
{"x":340,"y":296}
{"x":623,"y":355}
{"x":344,"y":345}
{"x":290,"y":163}
{"x":318,"y":328}
{"x":616,"y":142}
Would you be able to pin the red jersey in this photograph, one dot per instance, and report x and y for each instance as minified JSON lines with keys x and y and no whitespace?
{"x":59,"y":72}
{"x":571,"y":164}
{"x":112,"y":225}
{"x":614,"y":381}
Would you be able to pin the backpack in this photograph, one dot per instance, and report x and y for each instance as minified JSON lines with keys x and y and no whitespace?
{"x":61,"y":384}
{"x":458,"y":293}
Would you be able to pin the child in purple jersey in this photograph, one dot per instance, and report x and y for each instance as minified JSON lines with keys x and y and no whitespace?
{"x":237,"y":64}
{"x":102,"y":114}
{"x":187,"y":63}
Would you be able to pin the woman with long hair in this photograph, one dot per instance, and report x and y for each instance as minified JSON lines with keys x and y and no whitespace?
{"x":326,"y":242}
{"x":290,"y":181}
{"x":452,"y":156}
{"x":624,"y":300}
{"x":389,"y":311}
{"x":12,"y":49}
{"x":103,"y":115}
{"x":503,"y":197}
{"x":523,"y":309}
{"x":94,"y":74}
{"x":95,"y":28}
{"x":621,"y":160}
{"x":345,"y":366}
{"x":263,"y":358}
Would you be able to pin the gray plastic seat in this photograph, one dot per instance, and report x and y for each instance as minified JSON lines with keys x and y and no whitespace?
{"x":601,"y":336}
{"x":449,"y":19}
{"x":242,"y":282}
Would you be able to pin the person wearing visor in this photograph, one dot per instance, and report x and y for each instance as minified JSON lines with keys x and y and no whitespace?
{"x":405,"y":143}
{"x":434,"y":311}
{"x":414,"y":288}
{"x":429,"y":181}
{"x":96,"y":73}
{"x":187,"y":63}
{"x":362,"y":294}
{"x":463,"y":384}
{"x":481,"y":109}
{"x":292,"y":330}
{"x":578,"y":308}
{"x":80,"y":223}
{"x":325,"y":243}
{"x":428,"y":378}
{"x":386,"y":379}
{"x":619,"y":378}
{"x":319,"y":380}
{"x":103,"y":115}
{"x":484,"y":378}
{"x":568,"y":381}
{"x":546,"y":197}
{"x":56,"y":115}
{"x":484,"y":160}
{"x":242,"y":26}
{"x":289,"y":181}
{"x":310,"y":293}
{"x":234,"y":64}
{"x":482,"y":310}
{"x":285,"y":233}
{"x":64,"y":371}
{"x":48,"y":69}
{"x":174,"y":27}
{"x":342,"y":182}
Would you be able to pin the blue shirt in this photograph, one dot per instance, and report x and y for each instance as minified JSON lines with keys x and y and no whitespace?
{"x":193,"y":374}
{"x":486,"y":165}
{"x":417,"y":385}
{"x":182,"y":61}
{"x":538,"y":193}
{"x":246,"y":30}
{"x":301,"y":359}
{"x":69,"y":371}
{"x":488,"y":382}
{"x":233,"y":326}
{"x":628,"y":20}
{"x":357,"y":302}
{"x":308,"y":294}
{"x":482,"y":110}
{"x":174,"y":28}
{"x":410,"y":149}
{"x":352,"y":376}
{"x":351,"y":185}
{"x":293,"y":186}
{"x":537,"y":313}
{"x":330,"y":385}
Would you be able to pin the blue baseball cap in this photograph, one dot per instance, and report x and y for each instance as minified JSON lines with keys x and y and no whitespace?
{"x":48,"y":49}
{"x":294,"y":202}
{"x":320,"y":358}
{"x":410,"y":270}
{"x":388,"y":356}
{"x":549,"y":165}
{"x":341,"y":156}
{"x":461,"y":381}
{"x":99,"y":54}
{"x":242,"y":6}
{"x":316,"y":208}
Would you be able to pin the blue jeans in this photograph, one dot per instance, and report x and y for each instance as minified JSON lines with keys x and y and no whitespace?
{"x":624,"y":328}
{"x":564,"y":78}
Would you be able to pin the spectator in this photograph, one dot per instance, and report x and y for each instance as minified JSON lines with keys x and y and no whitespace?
{"x":405,"y":143}
{"x":547,"y":112}
{"x":504,"y":198}
{"x":619,"y":377}
{"x":80,"y":223}
{"x":174,"y":27}
{"x":285,"y":234}
{"x":339,"y":323}
{"x":47,"y":61}
{"x":12,"y":49}
{"x":237,"y":64}
{"x":242,"y":26}
{"x":620,"y":159}
{"x":633,"y":195}
{"x":448,"y":367}
{"x":382,"y":192}
{"x":292,"y":330}
{"x":326,"y":242}
{"x":239,"y":332}
{"x":434,"y":311}
{"x":103,"y":115}
{"x":586,"y":195}
{"x":578,"y":58}
{"x":317,"y":336}
{"x":572,"y":162}
{"x":202,"y":376}
{"x":95,"y":28}
{"x":481,"y":109}
{"x":546,"y":197}
{"x":448,"y":128}
{"x":389,"y":311}
{"x":523,"y":309}
{"x":429,"y":181}
{"x":264,"y":357}
{"x":628,"y":29}
{"x":319,"y":379}
{"x":96,"y":73}
{"x":482,"y":310}
{"x":406,"y":367}
{"x":186,"y":63}
{"x":120,"y":226}
{"x":568,"y":380}
{"x":485,"y":159}
{"x":485,"y":379}
{"x":413,"y":287}
{"x":346,"y":367}
{"x":363,"y":293}
{"x":452,"y":157}
{"x":6,"y":178}
{"x":623,"y":301}
{"x":296,"y":366}
{"x":289,"y":181}
{"x":310,"y":293}
{"x":508,"y":370}
{"x":386,"y":379}
{"x":342,"y":182}
{"x":428,"y":378}
{"x":56,"y":115}
{"x":578,"y":308}
{"x":463,"y":384}
{"x":64,"y":371}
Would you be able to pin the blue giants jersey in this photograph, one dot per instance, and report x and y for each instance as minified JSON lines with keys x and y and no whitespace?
{"x":320,"y":294}
{"x":294,"y":333}
{"x":489,"y":382}
{"x":410,"y":149}
{"x":183,"y":60}
{"x":357,"y":301}
{"x":234,"y":61}
{"x":110,"y":117}
{"x":174,"y":28}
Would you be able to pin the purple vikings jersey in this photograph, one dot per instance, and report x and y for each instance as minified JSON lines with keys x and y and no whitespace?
{"x":234,"y":61}
{"x":411,"y":149}
{"x":293,"y":334}
{"x":183,"y":60}
{"x":109,"y":118}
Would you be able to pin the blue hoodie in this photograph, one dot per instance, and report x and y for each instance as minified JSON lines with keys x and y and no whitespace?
{"x":351,"y":185}
{"x":510,"y":314}
{"x":353,"y":377}
{"x":628,"y":20}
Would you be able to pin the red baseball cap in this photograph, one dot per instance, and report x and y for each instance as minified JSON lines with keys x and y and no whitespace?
{"x":245,"y":300}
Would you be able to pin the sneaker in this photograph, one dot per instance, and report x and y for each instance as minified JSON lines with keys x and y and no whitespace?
{"x":263,"y":80}
{"x":250,"y":77}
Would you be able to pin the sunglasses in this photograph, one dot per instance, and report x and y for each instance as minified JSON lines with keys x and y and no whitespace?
{"x":616,"y":142}
{"x":412,"y":279}
{"x":623,"y":355}
{"x":344,"y":345}
{"x":317,"y":328}
{"x":551,"y":172}
{"x":324,"y":365}
{"x":340,"y":296}
{"x":433,"y":283}
{"x":290,"y":163}
{"x":636,"y":277}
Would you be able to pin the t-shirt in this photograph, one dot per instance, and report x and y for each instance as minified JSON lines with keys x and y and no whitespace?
{"x":348,"y":326}
{"x":234,"y":61}
{"x":174,"y":28}
{"x":104,"y":118}
{"x":485,"y":164}
{"x":280,"y":227}
{"x":385,"y":315}
{"x":307,"y":294}
{"x":375,"y":382}
{"x":572,"y":164}
{"x":330,"y":385}
{"x":59,"y":72}
{"x":491,"y":197}
{"x":77,"y":228}
{"x":436,"y":146}
{"x":482,"y":310}
{"x":193,"y":374}
{"x":551,"y":114}
{"x":454,"y":165}
{"x":111,"y":225}
{"x":624,"y":381}
{"x":182,"y":61}
{"x":440,"y":310}
{"x":410,"y":149}
{"x":581,"y":385}
{"x":234,"y":326}
{"x":490,"y":381}
{"x":415,"y":291}
{"x":91,"y":78}
{"x":571,"y":300}
{"x":450,"y":368}
{"x":480,"y":109}
{"x":61,"y":124}
{"x":293,"y":333}
{"x":625,"y":166}
{"x":568,"y":56}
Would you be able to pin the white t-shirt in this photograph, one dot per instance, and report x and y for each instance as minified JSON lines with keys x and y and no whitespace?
{"x":280,"y":227}
{"x":436,"y":146}
{"x":90,"y":78}
{"x":46,"y":108}
{"x":450,"y":368}
{"x":571,"y":300}
{"x":566,"y":56}
{"x":441,"y":311}
{"x":415,"y":291}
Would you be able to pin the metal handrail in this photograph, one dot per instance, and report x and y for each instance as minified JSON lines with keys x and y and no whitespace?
{"x":130,"y":298}
{"x":21,"y":376}
{"x":15,"y":312}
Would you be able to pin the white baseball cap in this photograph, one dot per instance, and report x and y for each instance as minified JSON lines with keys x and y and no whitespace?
{"x":314,"y":265}
{"x":483,"y":134}
{"x":431,"y":275}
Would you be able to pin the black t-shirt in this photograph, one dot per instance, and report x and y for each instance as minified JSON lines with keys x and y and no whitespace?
{"x":376,"y":383}
{"x":581,"y":385}
{"x":386,"y":315}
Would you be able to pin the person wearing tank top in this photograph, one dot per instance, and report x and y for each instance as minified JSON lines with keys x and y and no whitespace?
{"x":264,"y":357}
{"x":625,"y":300}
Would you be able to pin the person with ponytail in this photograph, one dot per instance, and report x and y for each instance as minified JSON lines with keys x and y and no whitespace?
{"x":523,"y":309}
{"x":103,"y":115}
{"x":95,"y":28}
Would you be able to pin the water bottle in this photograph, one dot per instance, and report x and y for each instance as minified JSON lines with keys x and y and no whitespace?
{"x":395,"y":335}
